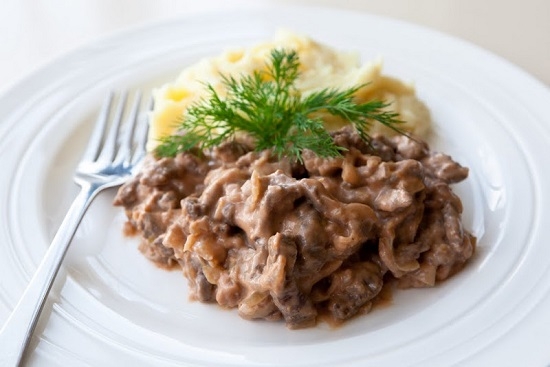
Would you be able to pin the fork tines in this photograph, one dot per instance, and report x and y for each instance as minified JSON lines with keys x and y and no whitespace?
{"x":120,"y":134}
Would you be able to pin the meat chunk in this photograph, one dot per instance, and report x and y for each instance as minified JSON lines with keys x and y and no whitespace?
{"x":353,"y":288}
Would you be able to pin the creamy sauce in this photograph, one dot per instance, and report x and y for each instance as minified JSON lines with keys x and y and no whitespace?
{"x":325,"y":239}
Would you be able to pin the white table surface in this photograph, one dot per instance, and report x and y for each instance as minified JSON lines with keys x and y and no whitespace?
{"x":33,"y":32}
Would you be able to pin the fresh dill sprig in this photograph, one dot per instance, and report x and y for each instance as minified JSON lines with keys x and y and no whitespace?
{"x":267,"y":106}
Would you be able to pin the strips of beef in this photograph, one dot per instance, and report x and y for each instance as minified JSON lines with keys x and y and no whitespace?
{"x":293,"y":241}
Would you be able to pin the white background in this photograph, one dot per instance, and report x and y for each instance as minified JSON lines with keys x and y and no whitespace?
{"x":33,"y":32}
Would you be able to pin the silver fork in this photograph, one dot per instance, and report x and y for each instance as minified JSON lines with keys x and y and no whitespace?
{"x":113,"y":153}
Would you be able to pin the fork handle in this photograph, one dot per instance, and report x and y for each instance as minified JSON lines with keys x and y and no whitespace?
{"x":17,"y":331}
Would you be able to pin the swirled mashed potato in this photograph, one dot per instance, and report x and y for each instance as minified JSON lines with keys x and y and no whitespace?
{"x":320,"y":67}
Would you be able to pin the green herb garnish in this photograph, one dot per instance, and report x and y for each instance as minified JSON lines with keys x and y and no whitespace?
{"x":267,"y":106}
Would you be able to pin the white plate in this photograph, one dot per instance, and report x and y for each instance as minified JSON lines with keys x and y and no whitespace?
{"x":110,"y":306}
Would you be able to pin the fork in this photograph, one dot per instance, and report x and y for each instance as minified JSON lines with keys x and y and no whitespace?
{"x":114,"y":153}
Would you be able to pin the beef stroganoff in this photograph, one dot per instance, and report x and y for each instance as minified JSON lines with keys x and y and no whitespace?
{"x":294,"y":238}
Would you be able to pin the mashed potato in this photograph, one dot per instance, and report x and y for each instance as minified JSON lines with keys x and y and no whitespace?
{"x":320,"y":67}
